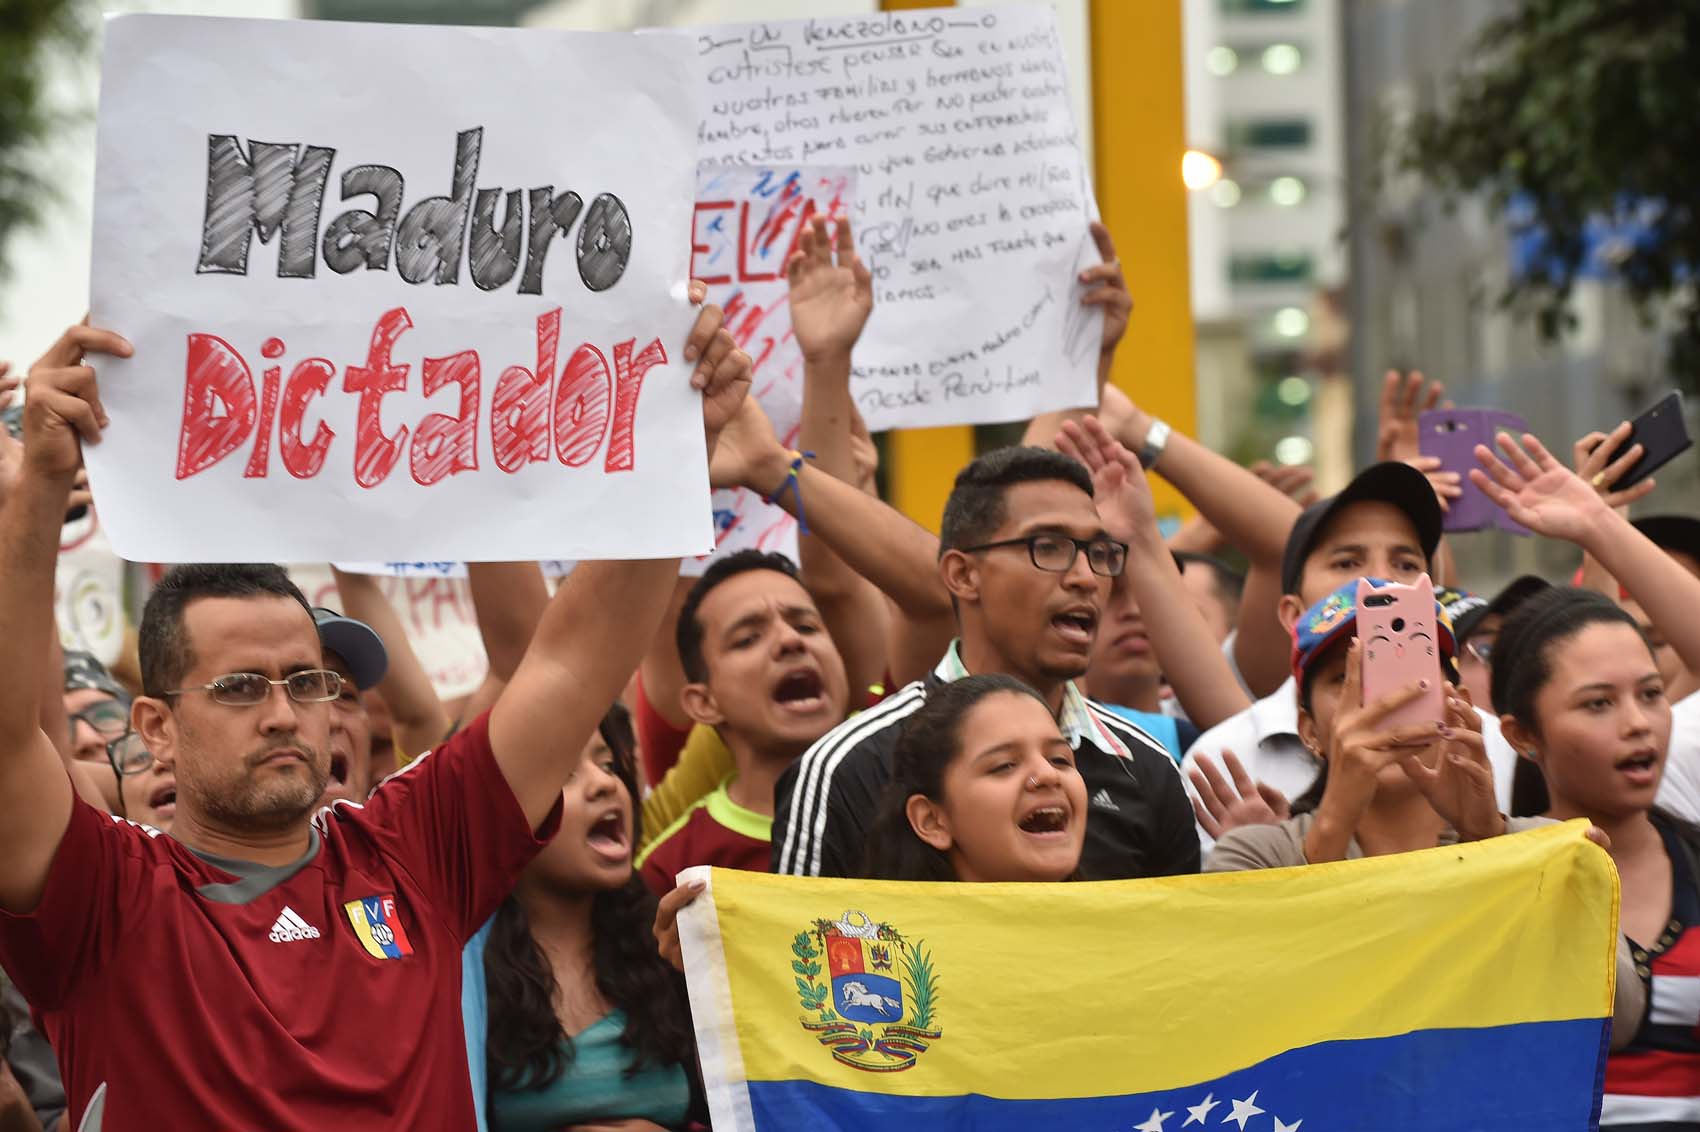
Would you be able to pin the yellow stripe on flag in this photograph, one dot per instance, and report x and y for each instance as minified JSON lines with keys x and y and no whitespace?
{"x":1087,"y":990}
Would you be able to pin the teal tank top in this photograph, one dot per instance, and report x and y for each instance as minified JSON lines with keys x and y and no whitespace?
{"x":595,"y":1087}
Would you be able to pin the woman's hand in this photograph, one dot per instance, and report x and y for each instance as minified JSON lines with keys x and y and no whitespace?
{"x":667,"y":921}
{"x":1458,"y":783}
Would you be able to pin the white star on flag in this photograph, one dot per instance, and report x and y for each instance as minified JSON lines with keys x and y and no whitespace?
{"x":1154,"y":1123}
{"x":1199,"y":1111}
{"x":1243,"y":1111}
{"x":1293,"y":1127}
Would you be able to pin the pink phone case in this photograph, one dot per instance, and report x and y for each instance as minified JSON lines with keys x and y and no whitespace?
{"x":1396,"y":625}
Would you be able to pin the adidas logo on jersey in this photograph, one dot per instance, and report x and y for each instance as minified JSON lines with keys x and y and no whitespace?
{"x":1103,"y":800}
{"x":290,"y":927}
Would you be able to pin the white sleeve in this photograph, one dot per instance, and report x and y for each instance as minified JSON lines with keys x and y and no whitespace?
{"x":1679,"y":793}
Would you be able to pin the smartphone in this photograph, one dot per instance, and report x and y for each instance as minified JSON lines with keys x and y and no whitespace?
{"x":1663,"y":435}
{"x":1401,"y":645}
{"x":1451,"y":435}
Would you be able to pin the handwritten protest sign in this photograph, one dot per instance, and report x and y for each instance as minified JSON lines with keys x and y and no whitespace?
{"x":395,"y":292}
{"x":748,"y":220}
{"x":438,"y":616}
{"x":972,"y":200}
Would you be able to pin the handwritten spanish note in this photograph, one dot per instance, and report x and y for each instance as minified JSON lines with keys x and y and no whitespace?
{"x":972,"y":203}
{"x":395,"y":292}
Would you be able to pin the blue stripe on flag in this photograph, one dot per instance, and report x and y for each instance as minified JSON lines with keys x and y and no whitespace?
{"x":1511,"y":1078}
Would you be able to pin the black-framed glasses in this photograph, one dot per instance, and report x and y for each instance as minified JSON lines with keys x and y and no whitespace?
{"x":1056,"y":553}
{"x":128,"y":754}
{"x":109,"y":718}
{"x":246,"y":689}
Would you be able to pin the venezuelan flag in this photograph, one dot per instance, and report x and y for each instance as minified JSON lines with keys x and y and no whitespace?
{"x":1468,"y":987}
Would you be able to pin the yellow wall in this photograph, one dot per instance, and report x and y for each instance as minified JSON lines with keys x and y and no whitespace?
{"x":1138,"y":137}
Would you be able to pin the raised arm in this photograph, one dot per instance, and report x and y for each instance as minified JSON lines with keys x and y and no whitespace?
{"x":1252,"y":515}
{"x":1104,"y":286}
{"x":421,"y":721}
{"x":1191,"y":660}
{"x":595,"y":629}
{"x":877,"y":541}
{"x":1548,"y":498}
{"x":830,"y":303}
{"x":62,"y":413}
{"x":509,"y":599}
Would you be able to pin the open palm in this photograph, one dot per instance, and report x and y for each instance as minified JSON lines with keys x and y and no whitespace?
{"x":830,"y":301}
{"x":1536,"y":490}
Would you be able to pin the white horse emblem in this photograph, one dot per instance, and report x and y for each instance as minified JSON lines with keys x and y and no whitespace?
{"x":855,"y":994}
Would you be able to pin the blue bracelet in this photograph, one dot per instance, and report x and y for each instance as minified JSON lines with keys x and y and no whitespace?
{"x":792,"y":485}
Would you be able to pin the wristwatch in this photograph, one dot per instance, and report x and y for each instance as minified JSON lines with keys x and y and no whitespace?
{"x":1156,"y":439}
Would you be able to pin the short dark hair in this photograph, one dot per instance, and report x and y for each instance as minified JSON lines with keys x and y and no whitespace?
{"x":1522,"y":656}
{"x":688,"y":633}
{"x":975,"y":509}
{"x":928,"y":743}
{"x":1230,"y":583}
{"x":166,"y":653}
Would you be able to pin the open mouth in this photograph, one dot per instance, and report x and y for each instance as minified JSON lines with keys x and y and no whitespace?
{"x":1045,"y":821}
{"x":1639,"y":767}
{"x":801,"y":691}
{"x":163,"y":800}
{"x":339,"y":770}
{"x":1078,"y":626}
{"x":608,"y":836}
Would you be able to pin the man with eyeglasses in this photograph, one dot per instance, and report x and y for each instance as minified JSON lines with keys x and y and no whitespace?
{"x":270,"y":964}
{"x":1029,"y":566}
{"x":97,"y":708}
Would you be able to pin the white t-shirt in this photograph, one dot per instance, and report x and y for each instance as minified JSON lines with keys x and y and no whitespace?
{"x":1679,"y":793}
{"x":1265,"y":738}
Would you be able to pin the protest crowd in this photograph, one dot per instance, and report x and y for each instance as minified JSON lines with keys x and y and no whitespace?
{"x":261,"y":877}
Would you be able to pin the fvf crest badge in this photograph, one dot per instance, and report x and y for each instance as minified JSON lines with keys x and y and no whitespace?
{"x":869,"y":995}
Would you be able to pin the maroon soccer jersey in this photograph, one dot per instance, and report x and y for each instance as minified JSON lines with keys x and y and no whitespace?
{"x":222,"y":996}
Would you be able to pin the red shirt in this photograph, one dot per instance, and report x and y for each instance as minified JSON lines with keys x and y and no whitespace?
{"x":715,"y":831}
{"x":318,"y":996}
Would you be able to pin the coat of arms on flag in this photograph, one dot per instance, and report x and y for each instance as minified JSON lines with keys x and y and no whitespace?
{"x":877,"y":1006}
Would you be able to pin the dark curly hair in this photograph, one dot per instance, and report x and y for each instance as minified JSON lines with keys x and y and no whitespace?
{"x":527,"y":1047}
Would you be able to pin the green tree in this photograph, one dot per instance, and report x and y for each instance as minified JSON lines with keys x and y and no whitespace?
{"x":1585,"y":108}
{"x":31,"y":32}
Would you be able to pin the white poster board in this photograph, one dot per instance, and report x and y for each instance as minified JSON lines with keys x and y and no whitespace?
{"x":748,"y":219}
{"x":972,"y":203}
{"x":395,"y":292}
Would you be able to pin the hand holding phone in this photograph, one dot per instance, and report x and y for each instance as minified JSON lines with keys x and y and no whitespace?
{"x":1661,"y":432}
{"x":1401,"y":645}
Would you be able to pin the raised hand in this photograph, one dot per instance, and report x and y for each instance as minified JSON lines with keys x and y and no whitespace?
{"x":722,"y":371}
{"x":1459,"y":782}
{"x":1536,"y":490}
{"x":62,"y":409}
{"x":1447,"y":485}
{"x":1402,"y":400}
{"x":1593,"y":465}
{"x":1296,"y":482}
{"x":667,"y":921}
{"x":1221,"y":806}
{"x":830,"y":302}
{"x":749,"y":454}
{"x":1120,"y":490}
{"x":1106,"y":287}
{"x":9,"y":382}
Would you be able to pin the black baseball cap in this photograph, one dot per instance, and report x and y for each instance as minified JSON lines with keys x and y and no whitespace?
{"x":1389,"y":482}
{"x":1672,"y":532}
{"x":357,"y":643}
{"x":1515,"y":593}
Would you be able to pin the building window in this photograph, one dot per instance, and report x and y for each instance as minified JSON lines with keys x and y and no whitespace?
{"x":1281,"y":58}
{"x":1274,"y":267}
{"x":1222,"y":60}
{"x":1269,"y":133}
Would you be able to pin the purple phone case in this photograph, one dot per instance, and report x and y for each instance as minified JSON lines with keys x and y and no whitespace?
{"x":1452,"y":435}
